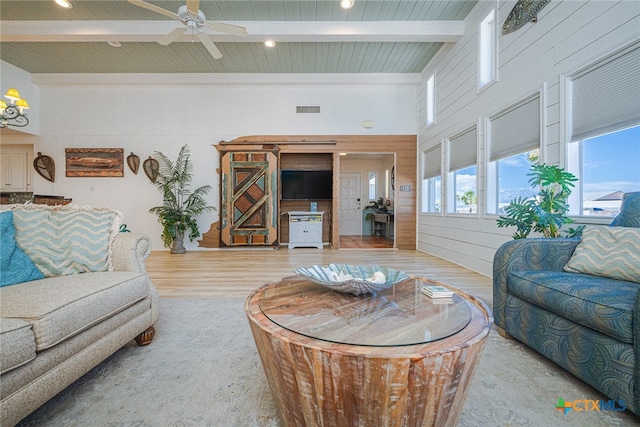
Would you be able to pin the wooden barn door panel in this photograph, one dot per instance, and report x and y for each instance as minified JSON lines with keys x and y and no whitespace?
{"x":249,"y":202}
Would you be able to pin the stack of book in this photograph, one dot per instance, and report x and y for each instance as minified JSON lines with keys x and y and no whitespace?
{"x":437,"y":292}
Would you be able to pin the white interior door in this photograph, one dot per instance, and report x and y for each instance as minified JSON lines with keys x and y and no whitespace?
{"x":350,"y":204}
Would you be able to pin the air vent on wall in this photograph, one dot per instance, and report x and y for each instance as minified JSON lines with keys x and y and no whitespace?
{"x":307,"y":109}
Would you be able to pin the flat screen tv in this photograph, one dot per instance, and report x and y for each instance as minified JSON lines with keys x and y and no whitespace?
{"x":306,"y":185}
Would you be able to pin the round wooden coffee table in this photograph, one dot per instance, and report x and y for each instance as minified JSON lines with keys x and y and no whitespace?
{"x":395,"y":358}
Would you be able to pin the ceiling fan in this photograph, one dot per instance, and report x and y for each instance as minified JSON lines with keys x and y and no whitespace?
{"x":193,"y":19}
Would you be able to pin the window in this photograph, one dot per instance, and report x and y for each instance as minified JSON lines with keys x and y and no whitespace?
{"x":607,"y":167}
{"x":431,"y":100}
{"x":487,"y":47}
{"x":432,"y":180}
{"x":387,"y":184}
{"x":604,"y":133}
{"x":508,"y":180}
{"x":462,"y":193}
{"x":513,"y":137}
{"x":373,"y":176}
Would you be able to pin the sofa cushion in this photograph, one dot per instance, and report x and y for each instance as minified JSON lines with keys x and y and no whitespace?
{"x":609,"y":252}
{"x":60,"y":307}
{"x":15,"y":265}
{"x":605,"y":305}
{"x":17,"y":344}
{"x":629,"y":215}
{"x":64,"y":240}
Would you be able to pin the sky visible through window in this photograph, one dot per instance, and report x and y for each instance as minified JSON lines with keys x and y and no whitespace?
{"x":514,"y":181}
{"x":610,"y":163}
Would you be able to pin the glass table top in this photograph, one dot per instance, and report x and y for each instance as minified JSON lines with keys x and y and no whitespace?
{"x":398,"y":316}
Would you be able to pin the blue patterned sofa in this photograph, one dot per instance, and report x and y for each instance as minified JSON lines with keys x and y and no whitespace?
{"x":546,"y":296}
{"x":73,"y":291}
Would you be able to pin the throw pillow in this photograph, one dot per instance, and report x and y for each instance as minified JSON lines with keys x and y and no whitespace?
{"x":612,"y":252}
{"x":15,"y":265}
{"x":67,"y":240}
{"x":629,"y":215}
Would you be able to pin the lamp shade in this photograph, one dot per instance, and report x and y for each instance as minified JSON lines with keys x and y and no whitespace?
{"x":22,"y":104}
{"x":12,"y":94}
{"x":3,"y":106}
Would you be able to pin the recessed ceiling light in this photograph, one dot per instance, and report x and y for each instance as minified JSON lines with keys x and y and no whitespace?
{"x":64,"y":3}
{"x":270,"y":43}
{"x":346,"y":4}
{"x":114,"y":44}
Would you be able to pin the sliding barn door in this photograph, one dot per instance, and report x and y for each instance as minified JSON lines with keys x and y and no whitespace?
{"x":249,"y":198}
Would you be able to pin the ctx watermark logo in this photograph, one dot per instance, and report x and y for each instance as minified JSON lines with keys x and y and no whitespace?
{"x":586,"y":405}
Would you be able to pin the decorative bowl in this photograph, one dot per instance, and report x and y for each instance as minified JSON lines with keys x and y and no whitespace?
{"x":352,"y":278}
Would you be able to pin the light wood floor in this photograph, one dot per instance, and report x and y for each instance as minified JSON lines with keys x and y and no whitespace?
{"x":365,"y":242}
{"x":237,"y":272}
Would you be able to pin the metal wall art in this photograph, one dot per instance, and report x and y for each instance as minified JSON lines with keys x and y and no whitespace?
{"x":151,"y":168}
{"x":134,"y":162}
{"x":523,"y":12}
{"x":45,"y":167}
{"x":97,"y":162}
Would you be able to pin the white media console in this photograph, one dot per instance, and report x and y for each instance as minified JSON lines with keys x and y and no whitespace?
{"x":305,"y":229}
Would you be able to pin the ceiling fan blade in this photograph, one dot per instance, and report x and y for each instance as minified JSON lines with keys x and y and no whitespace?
{"x":166,"y":40}
{"x":193,"y":6}
{"x":154,"y":8}
{"x":211,"y":47}
{"x":236,"y":30}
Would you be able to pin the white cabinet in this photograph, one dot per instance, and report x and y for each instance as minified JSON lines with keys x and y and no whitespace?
{"x":305,"y":229}
{"x":15,"y":171}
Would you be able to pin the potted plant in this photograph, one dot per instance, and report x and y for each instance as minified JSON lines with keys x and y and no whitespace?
{"x":180,"y":205}
{"x":547,"y":212}
{"x":376,"y":206}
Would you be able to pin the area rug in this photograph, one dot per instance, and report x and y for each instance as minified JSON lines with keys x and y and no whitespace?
{"x":202,"y":369}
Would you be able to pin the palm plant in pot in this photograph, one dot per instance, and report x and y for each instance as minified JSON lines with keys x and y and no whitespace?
{"x":547,"y":212}
{"x":180,"y":205}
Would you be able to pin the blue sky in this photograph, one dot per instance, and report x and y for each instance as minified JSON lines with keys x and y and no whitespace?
{"x":613,"y":161}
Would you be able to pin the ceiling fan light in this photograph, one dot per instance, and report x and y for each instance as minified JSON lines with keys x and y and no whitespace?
{"x":64,"y":3}
{"x":12,"y":95}
{"x":270,"y":43}
{"x":346,"y":4}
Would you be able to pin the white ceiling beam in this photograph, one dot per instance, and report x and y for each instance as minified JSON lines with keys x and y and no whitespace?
{"x":226,"y":79}
{"x":280,"y":31}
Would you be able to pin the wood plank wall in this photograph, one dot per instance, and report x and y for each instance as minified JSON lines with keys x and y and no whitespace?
{"x":307,"y":162}
{"x":302,"y":150}
{"x":302,"y":205}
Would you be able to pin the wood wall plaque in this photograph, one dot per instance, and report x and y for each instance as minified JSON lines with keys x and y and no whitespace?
{"x":134,"y":162}
{"x":94,"y":162}
{"x":151,"y":168}
{"x":523,"y":12}
{"x":45,"y":167}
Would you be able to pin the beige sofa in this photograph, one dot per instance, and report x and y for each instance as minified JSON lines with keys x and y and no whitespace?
{"x":54,"y":330}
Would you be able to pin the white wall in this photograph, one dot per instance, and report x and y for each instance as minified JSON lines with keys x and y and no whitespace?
{"x":568,"y":35}
{"x":147,"y":113}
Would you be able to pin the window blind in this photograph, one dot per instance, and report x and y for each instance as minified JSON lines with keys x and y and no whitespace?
{"x":463,"y":150}
{"x":515,"y":131}
{"x":432,"y":162}
{"x":606,"y":97}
